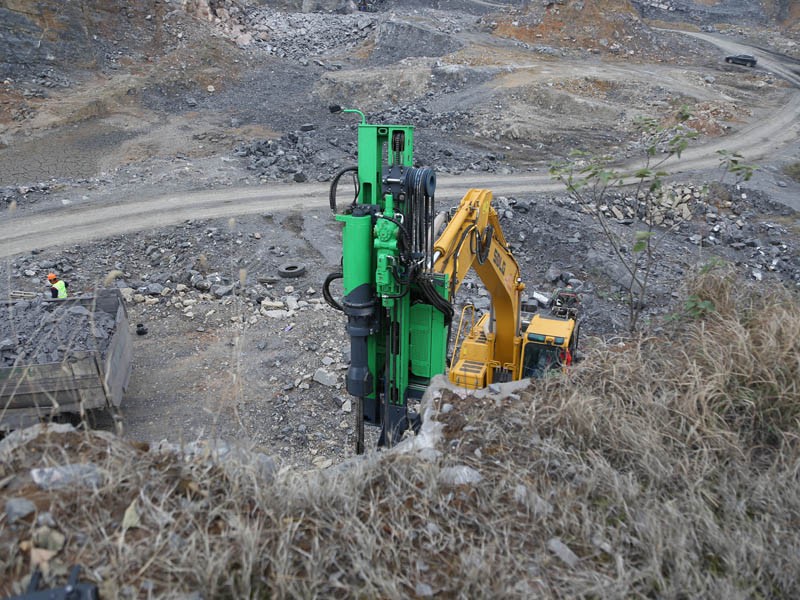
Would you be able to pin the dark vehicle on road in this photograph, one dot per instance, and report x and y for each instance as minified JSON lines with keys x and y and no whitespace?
{"x":741,"y":59}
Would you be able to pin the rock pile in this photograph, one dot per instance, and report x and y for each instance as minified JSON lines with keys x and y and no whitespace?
{"x":297,"y":156}
{"x":302,"y":35}
{"x":256,"y":301}
{"x":38,"y":332}
{"x":708,"y":216}
{"x":671,"y":206}
{"x":305,"y":155}
{"x":734,"y":11}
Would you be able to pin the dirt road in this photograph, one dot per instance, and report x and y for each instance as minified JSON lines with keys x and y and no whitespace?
{"x":75,"y":223}
{"x":63,"y":225}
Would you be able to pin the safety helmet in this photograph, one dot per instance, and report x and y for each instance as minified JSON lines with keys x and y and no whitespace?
{"x":51,"y":277}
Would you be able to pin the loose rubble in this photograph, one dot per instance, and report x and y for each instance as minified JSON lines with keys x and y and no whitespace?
{"x":40,"y":332}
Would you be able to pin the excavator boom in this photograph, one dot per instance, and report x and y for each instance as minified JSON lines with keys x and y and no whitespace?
{"x":473,"y":239}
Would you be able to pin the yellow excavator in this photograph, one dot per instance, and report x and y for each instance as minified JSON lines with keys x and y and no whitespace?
{"x":509,"y":342}
{"x":400,"y":278}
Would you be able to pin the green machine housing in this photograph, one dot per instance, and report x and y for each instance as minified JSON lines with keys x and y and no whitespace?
{"x":398,"y":314}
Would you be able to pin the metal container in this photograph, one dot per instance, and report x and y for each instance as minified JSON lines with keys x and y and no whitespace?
{"x":30,"y":393}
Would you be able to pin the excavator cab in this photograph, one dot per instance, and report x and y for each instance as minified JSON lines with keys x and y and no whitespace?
{"x":551,"y":340}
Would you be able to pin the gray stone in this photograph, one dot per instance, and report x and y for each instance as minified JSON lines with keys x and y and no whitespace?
{"x":482,"y":303}
{"x":202,"y":284}
{"x":154,"y":289}
{"x":575,"y":283}
{"x":18,"y":508}
{"x":552,"y":274}
{"x":276,"y":314}
{"x":49,"y":478}
{"x":325,"y":377}
{"x":560,"y":549}
{"x":220,"y":291}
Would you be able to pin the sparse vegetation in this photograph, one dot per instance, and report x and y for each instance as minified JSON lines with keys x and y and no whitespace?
{"x":667,"y":466}
{"x":792,"y":170}
{"x":590,"y":178}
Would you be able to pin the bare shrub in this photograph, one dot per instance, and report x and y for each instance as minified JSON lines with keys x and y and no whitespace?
{"x":792,"y":170}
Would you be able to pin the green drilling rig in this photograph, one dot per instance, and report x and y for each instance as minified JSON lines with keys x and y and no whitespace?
{"x":399,"y":278}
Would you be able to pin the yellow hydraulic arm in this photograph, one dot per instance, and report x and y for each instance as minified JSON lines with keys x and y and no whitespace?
{"x":473,"y":239}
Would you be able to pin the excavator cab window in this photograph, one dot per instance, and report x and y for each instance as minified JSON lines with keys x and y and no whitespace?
{"x":539,"y":359}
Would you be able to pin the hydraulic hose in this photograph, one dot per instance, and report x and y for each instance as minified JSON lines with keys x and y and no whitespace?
{"x":326,"y":292}
{"x":482,"y":244}
{"x":435,"y":300}
{"x":335,"y":182}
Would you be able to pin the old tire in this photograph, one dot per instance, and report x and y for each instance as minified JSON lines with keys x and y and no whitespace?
{"x":291,"y":269}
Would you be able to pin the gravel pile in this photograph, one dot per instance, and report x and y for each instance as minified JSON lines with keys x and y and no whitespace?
{"x":307,"y":155}
{"x":726,"y":217}
{"x":38,"y":332}
{"x":302,"y":35}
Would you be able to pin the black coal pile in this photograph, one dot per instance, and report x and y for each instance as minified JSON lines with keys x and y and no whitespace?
{"x":37,"y":332}
{"x":297,"y":156}
{"x":307,"y":155}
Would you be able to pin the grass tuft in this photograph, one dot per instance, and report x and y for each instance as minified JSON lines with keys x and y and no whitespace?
{"x":792,"y":170}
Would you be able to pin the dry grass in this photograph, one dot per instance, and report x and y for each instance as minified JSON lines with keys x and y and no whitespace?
{"x":668,"y":466}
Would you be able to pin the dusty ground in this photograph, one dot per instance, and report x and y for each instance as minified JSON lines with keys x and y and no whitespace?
{"x":498,"y":106}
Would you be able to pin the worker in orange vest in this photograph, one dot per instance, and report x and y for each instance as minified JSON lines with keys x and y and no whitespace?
{"x":58,"y":288}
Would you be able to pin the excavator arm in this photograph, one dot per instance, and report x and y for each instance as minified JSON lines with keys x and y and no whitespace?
{"x":473,"y":239}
